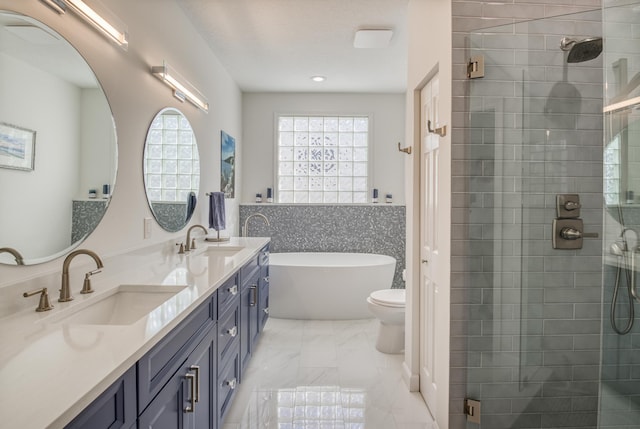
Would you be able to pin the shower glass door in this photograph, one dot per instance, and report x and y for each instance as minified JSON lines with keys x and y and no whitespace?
{"x":532,"y":313}
{"x":620,"y":374}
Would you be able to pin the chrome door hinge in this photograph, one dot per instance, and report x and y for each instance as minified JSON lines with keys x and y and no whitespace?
{"x":475,"y":67}
{"x":472,"y":410}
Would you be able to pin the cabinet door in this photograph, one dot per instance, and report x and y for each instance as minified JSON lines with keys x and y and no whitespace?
{"x":187,"y":401}
{"x":248,"y":318}
{"x":263,"y":298}
{"x":115,"y":408}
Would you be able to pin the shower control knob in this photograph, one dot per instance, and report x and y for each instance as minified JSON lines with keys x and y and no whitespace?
{"x":570,"y":233}
{"x":572,"y":205}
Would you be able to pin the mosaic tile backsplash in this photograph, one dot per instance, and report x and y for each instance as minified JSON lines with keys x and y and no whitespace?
{"x":85,"y":216}
{"x":332,"y":228}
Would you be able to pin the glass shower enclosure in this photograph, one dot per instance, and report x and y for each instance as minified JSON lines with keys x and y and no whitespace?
{"x":541,"y":346}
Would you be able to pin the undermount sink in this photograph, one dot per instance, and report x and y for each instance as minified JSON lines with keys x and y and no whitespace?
{"x":125,"y":305}
{"x":223,"y":250}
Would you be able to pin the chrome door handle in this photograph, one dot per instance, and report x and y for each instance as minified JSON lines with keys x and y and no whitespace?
{"x":254,"y":295}
{"x":196,"y":368}
{"x":192,"y":400}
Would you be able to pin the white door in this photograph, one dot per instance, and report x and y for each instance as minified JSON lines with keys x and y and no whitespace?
{"x":429,"y":222}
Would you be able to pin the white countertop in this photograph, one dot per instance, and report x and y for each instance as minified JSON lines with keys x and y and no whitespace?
{"x":50,"y":371}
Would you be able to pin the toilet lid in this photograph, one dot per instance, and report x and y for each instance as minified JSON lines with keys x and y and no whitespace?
{"x":389,"y":297}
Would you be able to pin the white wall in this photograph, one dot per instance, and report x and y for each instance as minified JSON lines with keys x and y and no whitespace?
{"x":97,"y":159}
{"x":158,"y":30}
{"x":429,"y":51}
{"x":49,"y":106}
{"x":259,"y":112}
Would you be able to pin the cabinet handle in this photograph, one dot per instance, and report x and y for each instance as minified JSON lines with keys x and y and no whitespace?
{"x":266,"y":310}
{"x":254,"y":295}
{"x":232,"y":383}
{"x":192,"y":400}
{"x":233,"y":290}
{"x":233,"y":331}
{"x":196,"y":368}
{"x":266,"y":279}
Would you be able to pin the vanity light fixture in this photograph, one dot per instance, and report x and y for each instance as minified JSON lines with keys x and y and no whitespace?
{"x":58,"y":5}
{"x":182,"y":89}
{"x":116,"y":32}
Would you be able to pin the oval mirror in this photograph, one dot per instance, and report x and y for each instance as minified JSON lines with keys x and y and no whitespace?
{"x":171,"y":169}
{"x":58,"y":150}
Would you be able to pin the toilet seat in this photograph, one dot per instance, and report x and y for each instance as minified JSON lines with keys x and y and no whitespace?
{"x":389,"y":298}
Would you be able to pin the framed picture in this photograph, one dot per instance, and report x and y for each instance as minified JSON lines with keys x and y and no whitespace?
{"x":227,"y":165}
{"x":17,"y":147}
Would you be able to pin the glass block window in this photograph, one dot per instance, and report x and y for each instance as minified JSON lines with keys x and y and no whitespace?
{"x":172,"y":167}
{"x":322,"y":159}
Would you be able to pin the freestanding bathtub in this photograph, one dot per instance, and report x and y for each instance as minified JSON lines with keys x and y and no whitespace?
{"x":326,"y":286}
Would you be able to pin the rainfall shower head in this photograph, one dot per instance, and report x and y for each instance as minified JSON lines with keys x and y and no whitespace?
{"x":581,"y":50}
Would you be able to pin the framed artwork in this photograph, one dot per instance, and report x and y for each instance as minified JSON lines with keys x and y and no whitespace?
{"x":227,"y":165}
{"x":17,"y":147}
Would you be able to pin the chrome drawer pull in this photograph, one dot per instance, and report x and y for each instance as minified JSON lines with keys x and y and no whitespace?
{"x":196,"y":368}
{"x":233,"y":331}
{"x":192,"y":400}
{"x":254,"y":295}
{"x":233,"y":290}
{"x":231,"y":383}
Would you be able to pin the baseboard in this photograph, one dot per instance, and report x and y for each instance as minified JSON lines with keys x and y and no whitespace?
{"x":411,"y":380}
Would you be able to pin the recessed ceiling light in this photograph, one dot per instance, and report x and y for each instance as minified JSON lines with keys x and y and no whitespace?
{"x":367,"y":39}
{"x":318,"y":78}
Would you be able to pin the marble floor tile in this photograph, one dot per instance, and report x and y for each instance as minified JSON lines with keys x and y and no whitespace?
{"x":324,"y":375}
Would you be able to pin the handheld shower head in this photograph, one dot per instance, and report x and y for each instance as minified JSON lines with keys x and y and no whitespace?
{"x":581,"y":50}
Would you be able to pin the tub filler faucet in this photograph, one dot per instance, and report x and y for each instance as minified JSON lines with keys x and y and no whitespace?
{"x":17,"y":256}
{"x":245,"y":228}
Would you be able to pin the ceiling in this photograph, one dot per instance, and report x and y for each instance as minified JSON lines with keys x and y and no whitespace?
{"x":278,"y":45}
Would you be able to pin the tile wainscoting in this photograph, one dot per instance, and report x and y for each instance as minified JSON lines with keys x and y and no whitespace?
{"x":366,"y":228}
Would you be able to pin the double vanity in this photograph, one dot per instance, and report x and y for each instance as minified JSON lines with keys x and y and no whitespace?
{"x":160,"y":343}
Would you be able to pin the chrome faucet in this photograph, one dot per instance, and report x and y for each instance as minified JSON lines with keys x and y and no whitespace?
{"x":245,"y":228}
{"x":15,"y":253}
{"x":65,"y":292}
{"x":192,"y":245}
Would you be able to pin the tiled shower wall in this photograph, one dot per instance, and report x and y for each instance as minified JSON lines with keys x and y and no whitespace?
{"x":526,"y":319}
{"x":366,"y":228}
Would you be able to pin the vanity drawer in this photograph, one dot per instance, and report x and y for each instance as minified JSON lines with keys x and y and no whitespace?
{"x":228,"y":380}
{"x":228,"y":333}
{"x":248,"y":270}
{"x":159,"y":364}
{"x":227,"y":293}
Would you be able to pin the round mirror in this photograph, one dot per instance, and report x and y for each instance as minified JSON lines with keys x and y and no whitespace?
{"x":171,"y":169}
{"x":58,"y":151}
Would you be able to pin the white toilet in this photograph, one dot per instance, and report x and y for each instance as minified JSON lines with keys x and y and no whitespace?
{"x":388,"y":306}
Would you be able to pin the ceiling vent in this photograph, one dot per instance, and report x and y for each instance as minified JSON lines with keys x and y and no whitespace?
{"x":372,"y":39}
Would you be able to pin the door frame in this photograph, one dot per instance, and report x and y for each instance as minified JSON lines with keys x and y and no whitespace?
{"x":411,"y":365}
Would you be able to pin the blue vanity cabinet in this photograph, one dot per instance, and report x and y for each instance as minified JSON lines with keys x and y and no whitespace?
{"x":163,"y":361}
{"x":229,"y":325}
{"x":187,"y":401}
{"x":263,"y":289}
{"x":115,"y":408}
{"x":248,"y":316}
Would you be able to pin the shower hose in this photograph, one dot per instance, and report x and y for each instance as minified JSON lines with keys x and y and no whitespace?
{"x":614,"y":301}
